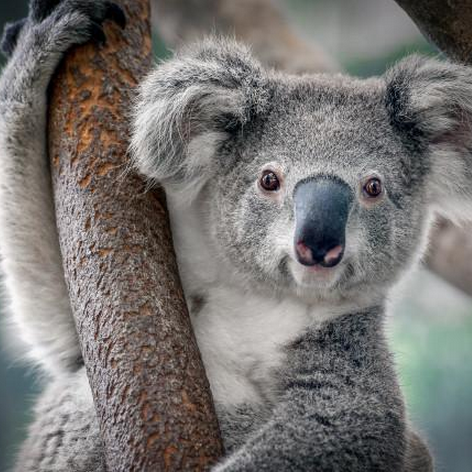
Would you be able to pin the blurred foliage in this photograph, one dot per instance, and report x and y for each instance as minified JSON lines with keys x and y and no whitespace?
{"x":11,"y":11}
{"x":159,"y":48}
{"x":18,"y":389}
{"x":367,"y":67}
{"x":431,"y":334}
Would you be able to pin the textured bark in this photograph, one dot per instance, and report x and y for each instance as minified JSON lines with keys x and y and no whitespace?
{"x":259,"y":23}
{"x":151,"y":394}
{"x":449,"y":26}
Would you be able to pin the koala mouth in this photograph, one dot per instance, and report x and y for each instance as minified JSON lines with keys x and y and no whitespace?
{"x":326,"y":260}
{"x":315,"y":275}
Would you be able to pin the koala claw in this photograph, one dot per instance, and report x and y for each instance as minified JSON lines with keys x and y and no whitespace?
{"x":111,"y":11}
{"x":115,"y":13}
{"x":96,"y":11}
{"x":41,"y":9}
{"x":97,"y":34}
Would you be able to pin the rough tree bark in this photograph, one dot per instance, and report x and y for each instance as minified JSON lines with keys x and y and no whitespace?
{"x":261,"y":24}
{"x":150,"y":390}
{"x":449,"y":26}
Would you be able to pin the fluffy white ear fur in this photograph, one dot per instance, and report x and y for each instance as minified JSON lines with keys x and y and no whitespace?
{"x":189,"y":106}
{"x":432,"y":101}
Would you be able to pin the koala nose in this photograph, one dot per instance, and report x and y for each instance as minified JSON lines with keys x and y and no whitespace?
{"x":310,"y":256}
{"x":322,"y":208}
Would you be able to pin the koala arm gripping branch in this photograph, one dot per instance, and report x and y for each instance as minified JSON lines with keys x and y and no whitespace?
{"x":341,"y":408}
{"x":31,"y":259}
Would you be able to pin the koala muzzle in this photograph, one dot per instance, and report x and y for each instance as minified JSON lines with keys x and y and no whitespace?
{"x":322,"y":208}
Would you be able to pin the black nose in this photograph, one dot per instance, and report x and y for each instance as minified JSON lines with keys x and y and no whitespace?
{"x":321,"y":211}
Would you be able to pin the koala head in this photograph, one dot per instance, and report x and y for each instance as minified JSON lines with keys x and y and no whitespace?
{"x":320,"y":185}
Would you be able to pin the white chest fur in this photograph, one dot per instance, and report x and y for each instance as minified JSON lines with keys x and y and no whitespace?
{"x":241,"y":335}
{"x":241,"y":338}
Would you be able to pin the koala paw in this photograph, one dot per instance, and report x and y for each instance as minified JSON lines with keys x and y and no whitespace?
{"x":59,"y":24}
{"x":73,"y":22}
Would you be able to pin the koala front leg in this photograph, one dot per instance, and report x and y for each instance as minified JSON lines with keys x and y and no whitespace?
{"x":29,"y":245}
{"x":237,"y":423}
{"x":418,"y":458}
{"x":341,"y":409}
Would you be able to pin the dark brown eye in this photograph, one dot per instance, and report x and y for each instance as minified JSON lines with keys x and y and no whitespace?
{"x":269,"y":181}
{"x":373,"y":187}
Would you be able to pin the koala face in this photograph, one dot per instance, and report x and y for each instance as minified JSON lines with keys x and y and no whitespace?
{"x":317,"y":185}
{"x":314,"y":194}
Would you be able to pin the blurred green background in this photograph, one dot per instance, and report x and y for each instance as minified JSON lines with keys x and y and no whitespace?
{"x":430,"y":324}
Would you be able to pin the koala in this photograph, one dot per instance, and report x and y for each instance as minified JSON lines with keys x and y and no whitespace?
{"x":297,"y":203}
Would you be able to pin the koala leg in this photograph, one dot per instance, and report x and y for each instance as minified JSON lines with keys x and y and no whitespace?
{"x":65,"y":434}
{"x":31,"y":259}
{"x":418,"y":458}
{"x":239,"y":422}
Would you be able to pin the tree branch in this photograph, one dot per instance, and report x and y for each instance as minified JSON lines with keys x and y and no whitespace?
{"x":150,"y":390}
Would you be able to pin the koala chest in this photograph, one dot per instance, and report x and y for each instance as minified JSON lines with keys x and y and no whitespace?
{"x":241,"y":339}
{"x":241,"y":336}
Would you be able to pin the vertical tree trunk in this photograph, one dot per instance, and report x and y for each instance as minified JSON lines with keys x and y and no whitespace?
{"x":151,"y":394}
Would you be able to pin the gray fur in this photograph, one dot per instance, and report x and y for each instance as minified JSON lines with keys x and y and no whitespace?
{"x":298,"y":364}
{"x":332,"y":415}
{"x":64,"y":435}
{"x":31,"y":259}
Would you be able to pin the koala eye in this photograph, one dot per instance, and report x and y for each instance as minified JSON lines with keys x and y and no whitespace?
{"x":269,"y":181}
{"x":373,"y":187}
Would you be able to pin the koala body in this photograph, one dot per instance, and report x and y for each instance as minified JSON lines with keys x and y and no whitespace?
{"x":296,"y":203}
{"x":235,"y":241}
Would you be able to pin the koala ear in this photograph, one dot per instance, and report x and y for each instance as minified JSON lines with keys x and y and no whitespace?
{"x":430,"y":104}
{"x":189,"y":106}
